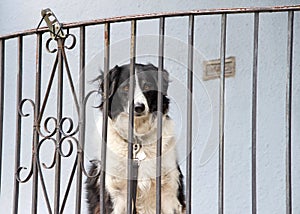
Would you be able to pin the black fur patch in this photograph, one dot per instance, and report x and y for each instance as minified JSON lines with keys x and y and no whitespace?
{"x":180,"y":193}
{"x":93,"y":192}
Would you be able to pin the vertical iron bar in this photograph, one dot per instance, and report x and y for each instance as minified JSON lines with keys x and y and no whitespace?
{"x":159,"y":113}
{"x":58,"y":117}
{"x":36,"y":115}
{"x":81,"y":119}
{"x":289,"y":81}
{"x":105,"y":116}
{"x":189,"y":115}
{"x":222,"y":114}
{"x":254,"y":110}
{"x":2,"y":63}
{"x":131,"y":117}
{"x":18,"y":123}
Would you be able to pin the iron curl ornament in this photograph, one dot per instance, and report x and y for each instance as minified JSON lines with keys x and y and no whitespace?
{"x":51,"y":128}
{"x":48,"y":127}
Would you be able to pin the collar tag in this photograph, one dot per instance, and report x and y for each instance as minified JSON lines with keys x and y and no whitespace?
{"x":141,"y":155}
{"x":138,"y":152}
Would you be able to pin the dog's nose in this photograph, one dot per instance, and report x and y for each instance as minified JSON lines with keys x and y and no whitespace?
{"x":139,"y":108}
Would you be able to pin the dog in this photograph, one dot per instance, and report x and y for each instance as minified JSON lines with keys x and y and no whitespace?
{"x":145,"y":132}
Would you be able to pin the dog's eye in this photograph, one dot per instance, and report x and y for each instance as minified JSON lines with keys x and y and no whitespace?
{"x":126,"y":88}
{"x":146,"y":87}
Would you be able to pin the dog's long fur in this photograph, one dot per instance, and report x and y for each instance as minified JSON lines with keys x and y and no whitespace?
{"x":145,"y":132}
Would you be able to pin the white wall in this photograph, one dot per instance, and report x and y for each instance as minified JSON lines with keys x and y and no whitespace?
{"x":21,"y":15}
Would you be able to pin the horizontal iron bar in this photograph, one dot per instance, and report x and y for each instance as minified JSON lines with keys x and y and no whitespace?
{"x":158,"y":15}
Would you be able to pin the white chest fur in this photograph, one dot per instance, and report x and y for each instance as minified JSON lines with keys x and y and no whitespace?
{"x":116,"y":174}
{"x":117,"y":151}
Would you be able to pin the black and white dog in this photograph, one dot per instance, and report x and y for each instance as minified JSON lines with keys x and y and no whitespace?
{"x":145,"y":132}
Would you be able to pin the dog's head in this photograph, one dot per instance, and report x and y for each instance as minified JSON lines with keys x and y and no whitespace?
{"x":145,"y":90}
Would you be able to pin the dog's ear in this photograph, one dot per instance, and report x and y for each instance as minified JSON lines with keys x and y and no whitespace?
{"x":114,"y":75}
{"x":113,"y":79}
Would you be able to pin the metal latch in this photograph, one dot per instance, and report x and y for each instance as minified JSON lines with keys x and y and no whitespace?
{"x":53,"y":24}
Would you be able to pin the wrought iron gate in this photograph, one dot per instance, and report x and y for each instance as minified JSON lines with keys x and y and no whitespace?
{"x":60,"y":130}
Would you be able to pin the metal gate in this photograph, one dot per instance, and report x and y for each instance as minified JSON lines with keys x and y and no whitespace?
{"x":63,"y":131}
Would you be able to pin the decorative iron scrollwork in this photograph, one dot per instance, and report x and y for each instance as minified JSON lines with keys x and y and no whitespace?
{"x":60,"y":132}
